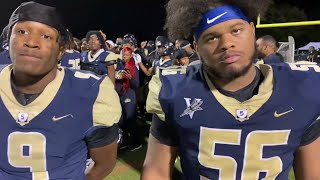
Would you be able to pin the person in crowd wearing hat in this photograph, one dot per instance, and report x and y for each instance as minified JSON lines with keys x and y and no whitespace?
{"x":110,"y":45}
{"x":165,"y":50}
{"x":192,"y":54}
{"x":182,"y":57}
{"x":49,"y":121}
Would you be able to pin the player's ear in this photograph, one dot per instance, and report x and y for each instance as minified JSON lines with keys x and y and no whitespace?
{"x":195,"y":45}
{"x":253,"y":28}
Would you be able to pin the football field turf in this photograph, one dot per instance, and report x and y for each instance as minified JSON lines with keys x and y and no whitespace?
{"x":129,"y":165}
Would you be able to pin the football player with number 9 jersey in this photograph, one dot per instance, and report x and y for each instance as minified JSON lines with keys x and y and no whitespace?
{"x":49,"y":121}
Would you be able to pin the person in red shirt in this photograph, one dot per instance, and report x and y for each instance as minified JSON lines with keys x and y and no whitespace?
{"x":127,"y":81}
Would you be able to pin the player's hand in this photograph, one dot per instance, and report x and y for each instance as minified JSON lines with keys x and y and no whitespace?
{"x":103,"y":35}
{"x":127,"y":74}
{"x":143,"y":44}
{"x":118,"y":75}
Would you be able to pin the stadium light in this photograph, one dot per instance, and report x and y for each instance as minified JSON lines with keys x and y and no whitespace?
{"x":287,"y":24}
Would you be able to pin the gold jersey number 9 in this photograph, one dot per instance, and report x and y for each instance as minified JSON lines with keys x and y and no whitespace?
{"x":34,"y":159}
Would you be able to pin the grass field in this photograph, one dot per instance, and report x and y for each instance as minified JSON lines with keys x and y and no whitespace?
{"x":129,"y":166}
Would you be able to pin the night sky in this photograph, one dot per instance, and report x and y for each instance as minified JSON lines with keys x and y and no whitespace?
{"x":144,"y":18}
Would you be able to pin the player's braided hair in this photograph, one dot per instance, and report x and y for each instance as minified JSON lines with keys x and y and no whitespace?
{"x":183,"y":16}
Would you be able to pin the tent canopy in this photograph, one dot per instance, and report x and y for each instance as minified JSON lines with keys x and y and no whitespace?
{"x":316,"y":45}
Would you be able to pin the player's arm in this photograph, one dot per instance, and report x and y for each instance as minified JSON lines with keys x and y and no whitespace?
{"x":161,"y":141}
{"x":111,"y":60}
{"x":306,"y":162}
{"x":111,"y":73}
{"x":144,"y":58}
{"x":147,"y":72}
{"x":102,"y":137}
{"x":103,"y":151}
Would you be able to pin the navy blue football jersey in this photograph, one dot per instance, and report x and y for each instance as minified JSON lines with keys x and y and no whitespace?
{"x":71,"y":59}
{"x":46,"y":138}
{"x":97,"y":62}
{"x":222,"y":138}
{"x":5,"y":57}
{"x":157,"y":64}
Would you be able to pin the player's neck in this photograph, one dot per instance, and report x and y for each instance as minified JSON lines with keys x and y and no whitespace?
{"x":237,"y":83}
{"x":93,"y":52}
{"x":166,"y":58}
{"x":268,"y":53}
{"x":32,"y":84}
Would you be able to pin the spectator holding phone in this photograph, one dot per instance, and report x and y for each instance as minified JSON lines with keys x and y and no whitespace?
{"x":127,"y":80}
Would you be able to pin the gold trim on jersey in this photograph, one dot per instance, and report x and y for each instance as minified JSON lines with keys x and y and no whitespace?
{"x":174,"y":69}
{"x":92,"y":58}
{"x":153,"y":104}
{"x":162,"y":61}
{"x":251,"y":105}
{"x":69,"y":51}
{"x":34,"y":108}
{"x":112,"y":56}
{"x":106,"y":108}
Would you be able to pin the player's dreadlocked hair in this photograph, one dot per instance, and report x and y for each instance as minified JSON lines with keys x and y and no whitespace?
{"x":183,"y":16}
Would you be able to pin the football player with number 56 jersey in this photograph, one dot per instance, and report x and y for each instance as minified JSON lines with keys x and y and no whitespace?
{"x":49,"y":121}
{"x":227,"y":118}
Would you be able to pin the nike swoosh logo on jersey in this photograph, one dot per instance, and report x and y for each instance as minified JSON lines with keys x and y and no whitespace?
{"x":209,"y":21}
{"x":281,"y":114}
{"x":62,"y":117}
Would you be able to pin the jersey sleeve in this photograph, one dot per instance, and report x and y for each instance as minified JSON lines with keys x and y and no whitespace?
{"x":111,"y":58}
{"x":312,"y":133}
{"x":106,"y":113}
{"x":106,"y":108}
{"x":164,"y":132}
{"x":102,"y":136}
{"x":2,"y":66}
{"x":153,"y":104}
{"x":160,"y":128}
